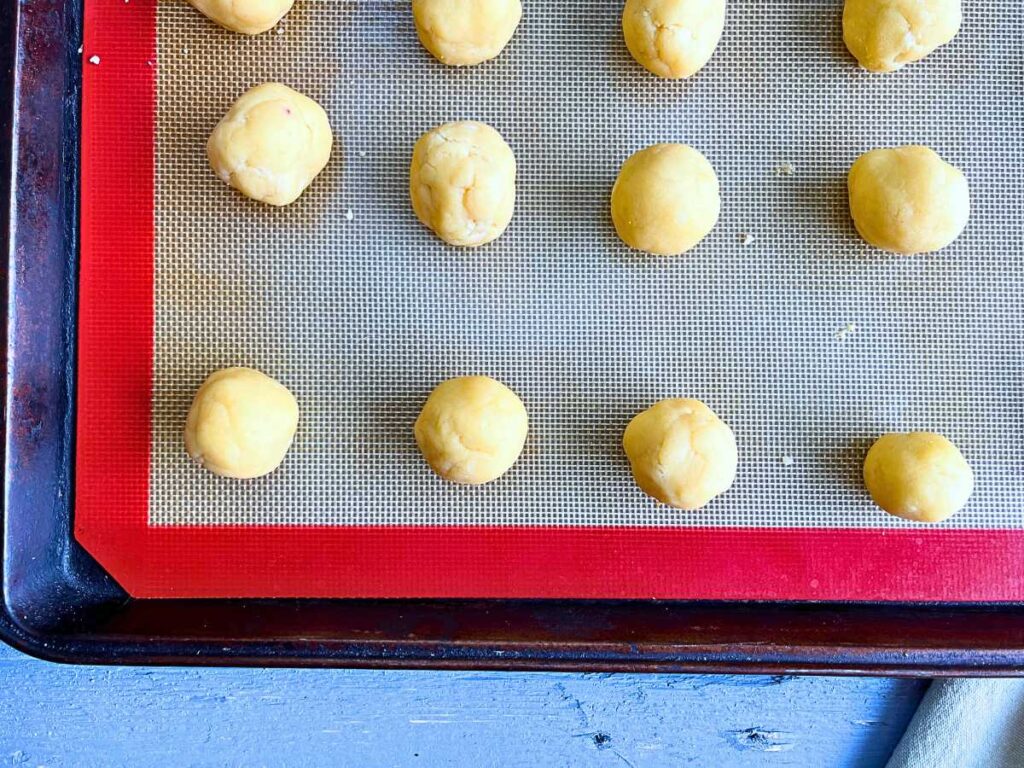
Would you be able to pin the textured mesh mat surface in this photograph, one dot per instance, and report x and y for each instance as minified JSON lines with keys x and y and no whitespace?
{"x":806,"y":341}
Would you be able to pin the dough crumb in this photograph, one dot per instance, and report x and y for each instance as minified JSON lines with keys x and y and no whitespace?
{"x":94,"y":59}
{"x":362,"y":153}
{"x":184,"y":51}
{"x":746,"y":238}
{"x":349,"y":215}
{"x":787,"y":461}
{"x":785,"y":169}
{"x":280,"y":30}
{"x":846,"y":330}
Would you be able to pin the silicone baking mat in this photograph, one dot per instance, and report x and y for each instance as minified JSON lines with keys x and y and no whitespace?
{"x":805,"y":340}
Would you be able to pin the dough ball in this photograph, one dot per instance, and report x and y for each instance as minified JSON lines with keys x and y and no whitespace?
{"x":241,"y":423}
{"x":682,"y":454}
{"x":673,"y":38}
{"x":908,"y":200}
{"x":463,"y":183}
{"x":883,"y":35}
{"x":250,"y":17}
{"x":665,"y":200}
{"x":471,"y":429}
{"x":463,"y":32}
{"x":271,"y":144}
{"x":918,"y":476}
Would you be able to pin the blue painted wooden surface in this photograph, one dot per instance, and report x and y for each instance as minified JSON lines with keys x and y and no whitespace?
{"x":59,"y":717}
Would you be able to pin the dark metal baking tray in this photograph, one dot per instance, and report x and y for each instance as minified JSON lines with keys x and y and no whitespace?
{"x":59,"y":604}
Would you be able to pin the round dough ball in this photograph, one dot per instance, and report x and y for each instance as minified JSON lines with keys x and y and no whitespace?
{"x":463,"y":32}
{"x":908,"y":200}
{"x":919,"y":476}
{"x":673,"y":38}
{"x":271,"y":144}
{"x":463,"y":183}
{"x":681,"y":453}
{"x":250,"y":17}
{"x":883,"y":35}
{"x":241,"y":423}
{"x":471,"y":429}
{"x":665,"y":200}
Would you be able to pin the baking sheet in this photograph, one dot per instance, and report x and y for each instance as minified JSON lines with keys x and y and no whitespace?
{"x":806,"y":341}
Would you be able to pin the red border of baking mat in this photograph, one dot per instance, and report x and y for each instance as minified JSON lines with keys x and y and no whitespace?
{"x":113,"y":443}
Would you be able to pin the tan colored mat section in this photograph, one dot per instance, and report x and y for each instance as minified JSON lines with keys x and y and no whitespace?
{"x":362,"y":317}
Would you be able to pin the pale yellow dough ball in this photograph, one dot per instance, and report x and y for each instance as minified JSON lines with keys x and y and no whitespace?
{"x":919,"y":476}
{"x":250,"y":17}
{"x":673,"y":38}
{"x":471,"y":429}
{"x":241,"y":423}
{"x":681,"y":453}
{"x":463,"y":183}
{"x":908,"y":200}
{"x":666,"y":199}
{"x":464,"y":32}
{"x":271,"y":144}
{"x":883,"y":35}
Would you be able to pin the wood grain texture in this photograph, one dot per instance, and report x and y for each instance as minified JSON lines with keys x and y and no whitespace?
{"x":59,"y":716}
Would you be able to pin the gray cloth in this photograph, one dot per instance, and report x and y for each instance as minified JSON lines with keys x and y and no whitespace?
{"x":966,"y":724}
